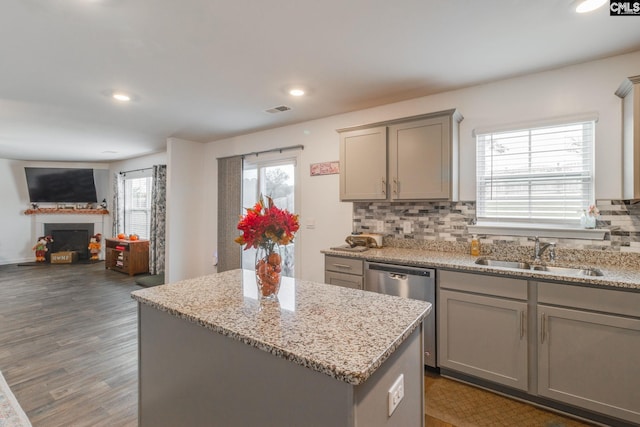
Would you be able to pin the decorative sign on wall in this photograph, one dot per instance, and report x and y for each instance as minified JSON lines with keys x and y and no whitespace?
{"x":326,"y":168}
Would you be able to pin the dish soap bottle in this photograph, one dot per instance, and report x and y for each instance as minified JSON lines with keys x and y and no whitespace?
{"x":475,"y":246}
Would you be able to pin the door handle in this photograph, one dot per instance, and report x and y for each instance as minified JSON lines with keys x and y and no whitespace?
{"x":342,"y":266}
{"x":397,"y":276}
{"x":523,"y":317}
{"x":384,"y":186}
{"x":395,"y":186}
{"x":543,"y":327}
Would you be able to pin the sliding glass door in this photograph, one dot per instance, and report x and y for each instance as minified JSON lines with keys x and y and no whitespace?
{"x":276,"y":178}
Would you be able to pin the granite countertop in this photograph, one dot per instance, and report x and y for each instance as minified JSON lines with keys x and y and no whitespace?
{"x":341,"y":332}
{"x":622,"y":278}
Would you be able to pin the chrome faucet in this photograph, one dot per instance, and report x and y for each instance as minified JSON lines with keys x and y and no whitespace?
{"x":539,"y":249}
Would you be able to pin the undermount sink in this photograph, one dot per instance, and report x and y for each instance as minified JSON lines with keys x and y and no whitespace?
{"x":506,"y":264}
{"x":569,"y":271}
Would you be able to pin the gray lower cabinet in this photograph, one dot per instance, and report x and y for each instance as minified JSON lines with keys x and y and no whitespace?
{"x":346,"y":272}
{"x":588,"y":357}
{"x":576,"y":345}
{"x":483,"y":335}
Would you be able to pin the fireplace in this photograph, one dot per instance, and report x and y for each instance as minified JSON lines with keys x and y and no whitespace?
{"x":69,"y":237}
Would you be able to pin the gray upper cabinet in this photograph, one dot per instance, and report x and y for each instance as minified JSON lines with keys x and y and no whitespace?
{"x":413,"y":158}
{"x":629,"y":92}
{"x":363,"y":160}
{"x":420,"y":159}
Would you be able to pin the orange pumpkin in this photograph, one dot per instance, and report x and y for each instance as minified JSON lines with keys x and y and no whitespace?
{"x":122,"y":236}
{"x":133,"y":237}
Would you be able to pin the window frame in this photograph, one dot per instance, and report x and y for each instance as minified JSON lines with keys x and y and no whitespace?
{"x":146,"y":174}
{"x":504,"y":225}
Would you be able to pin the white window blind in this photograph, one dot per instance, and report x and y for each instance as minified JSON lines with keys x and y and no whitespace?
{"x":137,"y":206}
{"x":535,"y":175}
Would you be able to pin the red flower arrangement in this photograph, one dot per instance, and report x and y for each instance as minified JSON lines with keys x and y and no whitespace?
{"x":266,"y":226}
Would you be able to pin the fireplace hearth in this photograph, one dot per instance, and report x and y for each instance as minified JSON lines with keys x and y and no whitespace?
{"x":69,"y":237}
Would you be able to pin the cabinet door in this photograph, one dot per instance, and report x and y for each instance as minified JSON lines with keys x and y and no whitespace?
{"x":420,"y":159}
{"x":590,"y":360}
{"x":484,"y":337}
{"x":363,"y":163}
{"x":344,"y":280}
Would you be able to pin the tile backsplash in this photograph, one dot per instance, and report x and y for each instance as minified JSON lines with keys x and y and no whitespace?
{"x":443,"y":225}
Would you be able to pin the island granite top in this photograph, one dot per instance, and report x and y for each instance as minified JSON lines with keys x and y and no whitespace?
{"x":341,"y":332}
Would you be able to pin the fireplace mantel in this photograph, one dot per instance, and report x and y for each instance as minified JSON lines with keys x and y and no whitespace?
{"x":39,"y":217}
{"x":49,"y":211}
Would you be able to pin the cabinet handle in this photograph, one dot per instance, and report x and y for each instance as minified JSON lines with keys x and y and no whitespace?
{"x":395,"y":186}
{"x":342,"y":266}
{"x":523,"y":319}
{"x":384,"y":186}
{"x":543,"y":326}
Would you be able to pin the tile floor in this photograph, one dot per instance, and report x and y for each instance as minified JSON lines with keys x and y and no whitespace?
{"x":453,"y":404}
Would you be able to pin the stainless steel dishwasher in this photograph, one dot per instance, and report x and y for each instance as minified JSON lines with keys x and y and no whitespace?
{"x":408,"y":282}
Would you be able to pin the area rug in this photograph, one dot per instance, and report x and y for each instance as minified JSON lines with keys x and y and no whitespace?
{"x":462,"y":405}
{"x":11,"y":414}
{"x":149,"y":281}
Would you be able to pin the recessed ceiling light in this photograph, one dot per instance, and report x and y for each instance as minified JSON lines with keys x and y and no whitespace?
{"x":121,"y":96}
{"x":585,"y":6}
{"x":296,"y":92}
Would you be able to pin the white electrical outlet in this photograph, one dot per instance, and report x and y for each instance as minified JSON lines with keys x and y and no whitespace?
{"x":396,"y":393}
{"x":406,"y":227}
{"x":379,"y":226}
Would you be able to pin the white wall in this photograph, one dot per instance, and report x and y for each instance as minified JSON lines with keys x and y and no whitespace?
{"x":576,"y":89}
{"x":142,"y":162}
{"x":186,"y":219}
{"x":15,"y":227}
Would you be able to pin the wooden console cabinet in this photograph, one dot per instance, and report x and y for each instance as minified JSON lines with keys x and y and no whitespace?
{"x":127,"y":256}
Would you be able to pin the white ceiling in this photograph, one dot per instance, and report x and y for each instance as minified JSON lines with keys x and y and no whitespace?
{"x":203,"y":70}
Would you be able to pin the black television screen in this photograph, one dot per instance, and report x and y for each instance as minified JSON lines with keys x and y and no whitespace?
{"x":61,"y":185}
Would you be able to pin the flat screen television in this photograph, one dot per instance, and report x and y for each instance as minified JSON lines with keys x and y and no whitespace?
{"x":61,"y":185}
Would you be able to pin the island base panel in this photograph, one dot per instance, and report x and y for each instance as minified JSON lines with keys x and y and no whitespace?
{"x":190,"y":375}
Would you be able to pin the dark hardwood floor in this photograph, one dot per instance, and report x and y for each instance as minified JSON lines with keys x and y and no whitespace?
{"x":68,"y":343}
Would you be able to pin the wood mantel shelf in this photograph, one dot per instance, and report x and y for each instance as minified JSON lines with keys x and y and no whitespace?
{"x":46,"y":211}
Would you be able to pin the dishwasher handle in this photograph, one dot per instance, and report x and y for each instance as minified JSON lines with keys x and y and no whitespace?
{"x":401,"y":270}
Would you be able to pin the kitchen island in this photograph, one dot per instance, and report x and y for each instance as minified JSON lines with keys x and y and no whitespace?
{"x":211,"y":353}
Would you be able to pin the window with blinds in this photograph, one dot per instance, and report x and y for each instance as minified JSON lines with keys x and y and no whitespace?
{"x":137,"y":206}
{"x":535,"y":175}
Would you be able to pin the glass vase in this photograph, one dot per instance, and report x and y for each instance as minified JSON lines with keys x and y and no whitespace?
{"x":268,"y":271}
{"x":587,"y":221}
